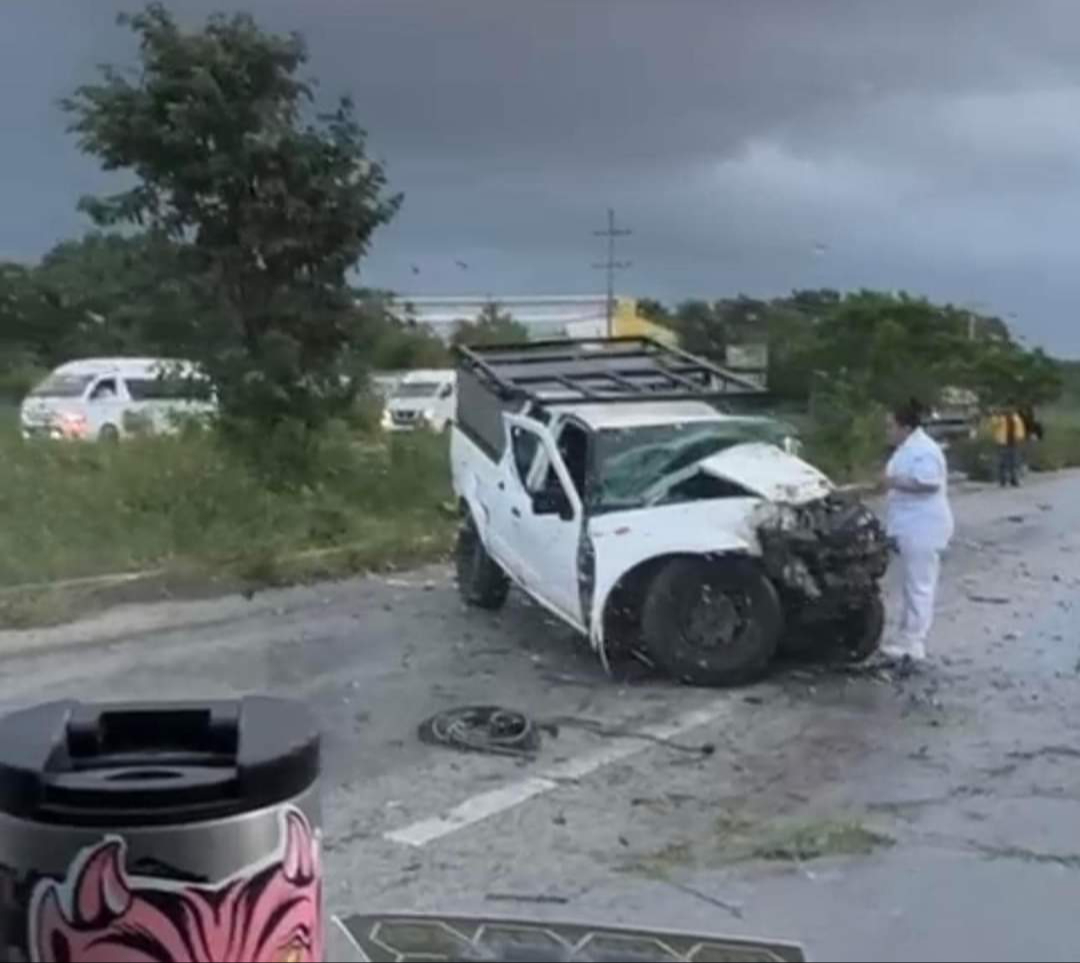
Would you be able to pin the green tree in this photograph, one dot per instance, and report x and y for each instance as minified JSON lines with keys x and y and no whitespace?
{"x":701,"y":330}
{"x":891,"y":347}
{"x":653,"y":310}
{"x":115,"y":294}
{"x":390,"y":343}
{"x":1004,"y":373}
{"x":492,"y":326}
{"x":789,"y":332}
{"x":274,"y":204}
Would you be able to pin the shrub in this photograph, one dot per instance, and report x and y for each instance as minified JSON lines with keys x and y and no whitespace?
{"x":975,"y":457}
{"x":845,"y":436}
{"x":1059,"y":448}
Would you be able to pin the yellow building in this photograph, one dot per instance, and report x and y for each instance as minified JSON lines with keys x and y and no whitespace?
{"x":627,"y":323}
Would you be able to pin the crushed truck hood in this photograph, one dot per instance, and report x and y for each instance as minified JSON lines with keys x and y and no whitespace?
{"x":769,"y":472}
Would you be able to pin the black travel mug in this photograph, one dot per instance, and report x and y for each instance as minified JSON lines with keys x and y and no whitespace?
{"x":166,"y":832}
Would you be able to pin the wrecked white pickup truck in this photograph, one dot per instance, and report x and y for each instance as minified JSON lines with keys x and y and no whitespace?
{"x":613,"y":481}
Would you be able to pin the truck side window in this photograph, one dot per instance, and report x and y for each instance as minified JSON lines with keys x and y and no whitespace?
{"x":573,"y":446}
{"x":525,"y":445}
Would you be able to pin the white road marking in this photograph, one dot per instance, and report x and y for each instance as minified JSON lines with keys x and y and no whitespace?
{"x":343,"y":935}
{"x":484,"y":805}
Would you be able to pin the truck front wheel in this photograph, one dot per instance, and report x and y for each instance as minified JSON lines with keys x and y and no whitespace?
{"x":712,"y":622}
{"x":481,"y":581}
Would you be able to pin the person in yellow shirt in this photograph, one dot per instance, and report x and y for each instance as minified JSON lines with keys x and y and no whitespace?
{"x":1007,"y":430}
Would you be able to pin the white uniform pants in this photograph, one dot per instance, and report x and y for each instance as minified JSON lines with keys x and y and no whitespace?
{"x":920,"y":567}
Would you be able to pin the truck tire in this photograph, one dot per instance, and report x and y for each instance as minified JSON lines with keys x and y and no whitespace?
{"x":859,"y":635}
{"x":481,"y":581}
{"x":712,"y":623}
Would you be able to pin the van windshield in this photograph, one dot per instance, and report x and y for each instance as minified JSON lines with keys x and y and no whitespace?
{"x":417,"y":389}
{"x":62,"y":386}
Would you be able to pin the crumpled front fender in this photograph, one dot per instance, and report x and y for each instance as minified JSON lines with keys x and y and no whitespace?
{"x":624,"y":541}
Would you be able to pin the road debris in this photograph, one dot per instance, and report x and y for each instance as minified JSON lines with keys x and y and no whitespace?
{"x":733,"y":908}
{"x":542,"y":898}
{"x":487,"y":729}
{"x":598,"y":728}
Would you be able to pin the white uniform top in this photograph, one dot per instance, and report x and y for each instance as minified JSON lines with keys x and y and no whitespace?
{"x":924,"y":518}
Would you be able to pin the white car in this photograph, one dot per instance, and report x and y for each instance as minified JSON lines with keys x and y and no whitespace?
{"x":606,"y":483}
{"x":421,"y":399}
{"x":106,"y":399}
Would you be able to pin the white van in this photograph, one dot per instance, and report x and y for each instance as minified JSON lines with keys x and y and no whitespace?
{"x":105,"y":399}
{"x":422,"y":399}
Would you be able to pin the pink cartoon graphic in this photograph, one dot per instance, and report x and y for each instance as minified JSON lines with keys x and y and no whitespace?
{"x":270,"y":912}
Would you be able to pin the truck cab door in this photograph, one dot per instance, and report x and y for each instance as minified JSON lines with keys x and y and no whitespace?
{"x":542,"y":517}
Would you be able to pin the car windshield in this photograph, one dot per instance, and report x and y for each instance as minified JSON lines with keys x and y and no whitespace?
{"x":62,"y":386}
{"x":631,"y":462}
{"x":417,"y":389}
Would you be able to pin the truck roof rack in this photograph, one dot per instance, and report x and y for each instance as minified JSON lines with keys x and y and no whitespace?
{"x":602,"y":370}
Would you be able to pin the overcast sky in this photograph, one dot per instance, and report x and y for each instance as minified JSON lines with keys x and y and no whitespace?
{"x":751,"y":145}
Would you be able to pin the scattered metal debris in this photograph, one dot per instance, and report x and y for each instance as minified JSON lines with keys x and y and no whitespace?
{"x":507,"y":732}
{"x":487,"y":729}
{"x":598,"y":728}
{"x":989,"y":599}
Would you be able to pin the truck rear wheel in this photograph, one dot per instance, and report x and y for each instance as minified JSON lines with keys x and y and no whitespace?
{"x":481,"y":581}
{"x":712,"y":622}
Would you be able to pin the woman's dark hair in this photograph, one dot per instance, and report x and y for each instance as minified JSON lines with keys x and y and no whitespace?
{"x":909,"y":414}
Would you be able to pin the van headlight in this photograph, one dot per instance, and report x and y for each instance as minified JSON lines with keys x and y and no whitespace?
{"x":73,"y":425}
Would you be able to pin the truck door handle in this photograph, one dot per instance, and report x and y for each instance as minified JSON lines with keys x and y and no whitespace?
{"x":516,"y":512}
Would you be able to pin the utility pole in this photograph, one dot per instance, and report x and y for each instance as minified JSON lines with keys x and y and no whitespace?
{"x":611,"y":265}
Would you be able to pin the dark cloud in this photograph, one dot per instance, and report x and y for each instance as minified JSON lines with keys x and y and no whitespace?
{"x":753,"y":145}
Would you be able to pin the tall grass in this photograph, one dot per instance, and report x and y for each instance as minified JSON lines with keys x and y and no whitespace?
{"x":70,"y":510}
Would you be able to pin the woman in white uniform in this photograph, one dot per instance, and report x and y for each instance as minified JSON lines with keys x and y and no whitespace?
{"x":920,"y":521}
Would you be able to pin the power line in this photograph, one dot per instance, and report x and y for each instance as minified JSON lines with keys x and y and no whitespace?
{"x":611,"y":265}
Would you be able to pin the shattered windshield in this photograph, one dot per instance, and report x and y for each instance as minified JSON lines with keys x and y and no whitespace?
{"x":632,"y":463}
{"x":417,"y":389}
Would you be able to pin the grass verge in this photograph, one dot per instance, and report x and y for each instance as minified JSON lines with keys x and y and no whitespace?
{"x":192,"y":509}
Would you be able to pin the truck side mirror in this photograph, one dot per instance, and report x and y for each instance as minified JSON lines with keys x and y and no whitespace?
{"x":552,"y":501}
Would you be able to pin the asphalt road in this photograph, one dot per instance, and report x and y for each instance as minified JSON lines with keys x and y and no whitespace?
{"x":958,"y":788}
